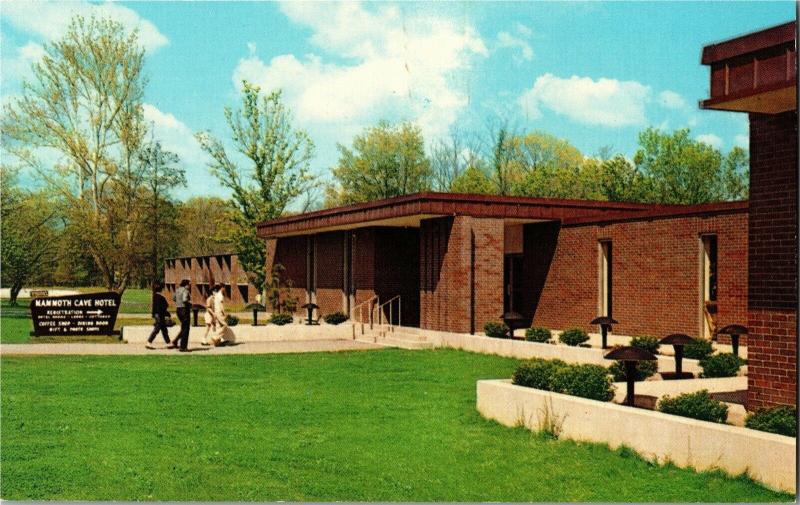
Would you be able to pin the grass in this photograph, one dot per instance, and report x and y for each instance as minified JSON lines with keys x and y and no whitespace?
{"x":382,"y":425}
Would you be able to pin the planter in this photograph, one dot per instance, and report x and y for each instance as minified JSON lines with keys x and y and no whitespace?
{"x":766,"y":457}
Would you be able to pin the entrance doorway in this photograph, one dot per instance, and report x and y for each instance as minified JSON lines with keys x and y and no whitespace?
{"x":512,"y":282}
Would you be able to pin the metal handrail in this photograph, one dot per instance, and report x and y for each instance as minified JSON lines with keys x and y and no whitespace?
{"x":360,"y":308}
{"x":391,"y":318}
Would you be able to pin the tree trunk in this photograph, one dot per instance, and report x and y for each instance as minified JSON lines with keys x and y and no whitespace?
{"x":15,"y":289}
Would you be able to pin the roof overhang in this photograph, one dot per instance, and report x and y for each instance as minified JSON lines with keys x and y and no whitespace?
{"x":754,"y":73}
{"x":410,"y":210}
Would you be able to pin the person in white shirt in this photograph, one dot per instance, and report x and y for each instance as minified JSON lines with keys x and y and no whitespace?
{"x":220,"y":315}
{"x":210,"y":316}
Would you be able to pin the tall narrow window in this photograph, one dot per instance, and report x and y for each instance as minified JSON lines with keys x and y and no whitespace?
{"x":709,"y":272}
{"x":709,"y":268}
{"x":605,"y":278}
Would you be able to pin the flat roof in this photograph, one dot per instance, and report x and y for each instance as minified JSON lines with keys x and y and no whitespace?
{"x":409,"y":210}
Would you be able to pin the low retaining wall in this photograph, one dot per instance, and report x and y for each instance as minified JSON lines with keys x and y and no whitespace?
{"x":521,"y":349}
{"x":250,"y":333}
{"x":766,"y":457}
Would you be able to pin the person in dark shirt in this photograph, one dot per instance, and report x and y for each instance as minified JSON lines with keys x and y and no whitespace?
{"x":160,"y":315}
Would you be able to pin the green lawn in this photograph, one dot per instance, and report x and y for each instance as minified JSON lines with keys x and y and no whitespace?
{"x":382,"y":425}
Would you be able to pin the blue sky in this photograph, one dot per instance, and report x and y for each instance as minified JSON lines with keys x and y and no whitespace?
{"x":593,"y":73}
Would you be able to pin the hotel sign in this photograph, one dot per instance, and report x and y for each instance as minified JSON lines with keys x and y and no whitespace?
{"x":75,"y":315}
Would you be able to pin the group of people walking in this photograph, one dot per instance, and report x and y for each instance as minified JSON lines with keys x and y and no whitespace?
{"x":214,"y":316}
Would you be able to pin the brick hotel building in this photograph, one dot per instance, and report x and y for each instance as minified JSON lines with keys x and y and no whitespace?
{"x":457,"y":261}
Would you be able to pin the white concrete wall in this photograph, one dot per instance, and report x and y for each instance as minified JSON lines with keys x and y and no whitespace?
{"x":766,"y":457}
{"x":250,"y":333}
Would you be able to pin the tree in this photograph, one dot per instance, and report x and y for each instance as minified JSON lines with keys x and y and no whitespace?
{"x":449,"y":158}
{"x":736,"y":175}
{"x":162,"y":173}
{"x":29,"y":229}
{"x":274,"y":173}
{"x":473,"y":180}
{"x":84,"y":103}
{"x":678,"y":169}
{"x":206,"y":226}
{"x":385,"y":161}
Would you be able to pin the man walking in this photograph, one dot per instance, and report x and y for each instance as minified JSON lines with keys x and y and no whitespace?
{"x":183,"y":305}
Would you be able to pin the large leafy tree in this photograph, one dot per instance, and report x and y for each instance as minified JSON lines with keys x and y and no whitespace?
{"x":30,"y":229}
{"x":206,"y":226}
{"x":162,"y":173}
{"x":680,"y":170}
{"x":384,"y":161}
{"x":83,"y":105}
{"x":270,"y":171}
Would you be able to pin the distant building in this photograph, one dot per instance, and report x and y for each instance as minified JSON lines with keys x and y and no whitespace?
{"x":204,"y":272}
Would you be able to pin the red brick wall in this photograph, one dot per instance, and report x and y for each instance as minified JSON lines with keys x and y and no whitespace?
{"x":772,"y":296}
{"x":655,"y":273}
{"x":291,"y":253}
{"x":461,"y":273}
{"x":330,"y":271}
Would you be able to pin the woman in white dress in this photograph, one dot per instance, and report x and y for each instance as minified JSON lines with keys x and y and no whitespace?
{"x":220,"y":315}
{"x":210,"y":317}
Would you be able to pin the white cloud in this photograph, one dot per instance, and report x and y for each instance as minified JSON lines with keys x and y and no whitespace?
{"x":607,"y":102}
{"x":671,"y":100}
{"x":401,"y":68}
{"x":50,"y":20}
{"x":710,"y":139}
{"x":17,"y":67}
{"x":742,"y":140}
{"x":507,"y":40}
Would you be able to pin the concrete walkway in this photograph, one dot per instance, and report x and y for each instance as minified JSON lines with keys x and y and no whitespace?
{"x":280,"y":347}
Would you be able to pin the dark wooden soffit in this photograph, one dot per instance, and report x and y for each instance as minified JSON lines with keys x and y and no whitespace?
{"x":452,"y":204}
{"x":754,"y":73}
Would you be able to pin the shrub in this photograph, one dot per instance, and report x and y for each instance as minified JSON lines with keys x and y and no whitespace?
{"x":537,"y":334}
{"x":335,"y":318}
{"x":781,"y":420}
{"x":537,"y":373}
{"x":698,"y":349}
{"x":231,"y":320}
{"x":697,"y":405}
{"x":720,"y":365}
{"x":647,"y":343}
{"x":644,"y":369}
{"x":573,"y":337}
{"x":280,"y":318}
{"x":586,"y":381}
{"x":495,"y":330}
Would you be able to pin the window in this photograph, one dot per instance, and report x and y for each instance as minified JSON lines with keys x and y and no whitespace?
{"x":709,"y":284}
{"x":709,"y":268}
{"x":605,"y":278}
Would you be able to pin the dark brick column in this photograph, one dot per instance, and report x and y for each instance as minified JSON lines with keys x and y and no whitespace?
{"x":772,"y":293}
{"x":461,"y":273}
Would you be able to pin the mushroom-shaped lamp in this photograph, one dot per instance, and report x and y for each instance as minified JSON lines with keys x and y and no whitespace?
{"x":735,"y":331}
{"x":630,"y":356}
{"x":605,"y":323}
{"x":256,"y":308}
{"x":310,"y":308}
{"x":677,"y":341}
{"x":514,"y":320}
{"x":195,"y":309}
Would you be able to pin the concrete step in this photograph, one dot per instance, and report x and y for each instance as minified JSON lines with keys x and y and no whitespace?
{"x":404,"y":343}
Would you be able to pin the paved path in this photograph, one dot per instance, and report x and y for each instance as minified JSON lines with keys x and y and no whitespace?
{"x":280,"y":347}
